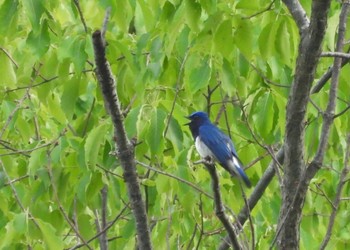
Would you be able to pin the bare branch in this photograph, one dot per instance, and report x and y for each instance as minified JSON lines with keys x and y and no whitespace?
{"x":336,"y":54}
{"x":329,"y":113}
{"x":287,"y":235}
{"x":219,"y":208}
{"x":125,"y":150}
{"x":103,"y":237}
{"x":326,"y":76}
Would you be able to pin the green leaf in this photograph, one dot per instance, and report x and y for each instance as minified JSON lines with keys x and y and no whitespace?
{"x":175,"y":134}
{"x":227,"y":78}
{"x":74,"y":50}
{"x":49,"y":235}
{"x":39,"y":42}
{"x":78,"y":54}
{"x":7,"y":15}
{"x":20,"y":223}
{"x":262,"y":122}
{"x":223,"y":39}
{"x":55,"y":108}
{"x":93,"y":144}
{"x":148,"y":182}
{"x":267,"y":40}
{"x":82,"y":186}
{"x":34,"y":10}
{"x":283,"y":44}
{"x":70,"y":96}
{"x":8,"y":237}
{"x":147,"y":14}
{"x":36,"y":160}
{"x":131,"y":121}
{"x":193,"y":14}
{"x":199,"y":76}
{"x":243,"y":38}
{"x":8,"y":75}
{"x":154,"y":135}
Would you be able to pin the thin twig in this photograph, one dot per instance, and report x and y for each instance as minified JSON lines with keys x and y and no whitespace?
{"x":9,"y":56}
{"x":326,"y":76}
{"x":336,"y":54}
{"x":269,"y":7}
{"x":267,"y":80}
{"x":104,"y":229}
{"x":16,"y":180}
{"x":177,"y":90}
{"x":44,"y":81}
{"x":77,"y":4}
{"x":175,"y":177}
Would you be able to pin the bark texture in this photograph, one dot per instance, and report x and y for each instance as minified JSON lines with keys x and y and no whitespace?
{"x":125,"y":150}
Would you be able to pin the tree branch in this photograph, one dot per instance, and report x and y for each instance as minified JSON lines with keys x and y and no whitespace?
{"x":287,"y":234}
{"x":336,"y":54}
{"x":125,"y":150}
{"x":219,"y":208}
{"x":326,"y":76}
{"x":329,"y":113}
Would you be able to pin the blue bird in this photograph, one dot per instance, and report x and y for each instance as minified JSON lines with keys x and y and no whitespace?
{"x":212,"y":143}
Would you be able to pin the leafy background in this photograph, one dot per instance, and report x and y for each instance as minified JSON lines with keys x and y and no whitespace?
{"x":170,"y":58}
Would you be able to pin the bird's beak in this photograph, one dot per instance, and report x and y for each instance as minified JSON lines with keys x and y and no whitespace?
{"x":186,"y":124}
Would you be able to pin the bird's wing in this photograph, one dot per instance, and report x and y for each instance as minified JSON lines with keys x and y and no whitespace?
{"x":218,"y":143}
{"x":222,"y":148}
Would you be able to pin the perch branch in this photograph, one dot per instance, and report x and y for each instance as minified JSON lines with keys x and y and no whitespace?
{"x":219,"y":208}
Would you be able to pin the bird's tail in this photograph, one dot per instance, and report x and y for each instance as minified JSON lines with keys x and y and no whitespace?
{"x":238,"y":170}
{"x":244,"y":177}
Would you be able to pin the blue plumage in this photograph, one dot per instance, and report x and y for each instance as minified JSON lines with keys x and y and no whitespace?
{"x":211,"y":142}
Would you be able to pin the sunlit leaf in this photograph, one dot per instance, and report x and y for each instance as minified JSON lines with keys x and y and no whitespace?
{"x":155,"y":131}
{"x":8,"y":74}
{"x":7,"y":15}
{"x":49,"y":235}
{"x":199,"y":74}
{"x":223,"y":39}
{"x":93,"y":144}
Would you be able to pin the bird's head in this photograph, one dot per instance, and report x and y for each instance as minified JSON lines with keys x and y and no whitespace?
{"x":197,"y":119}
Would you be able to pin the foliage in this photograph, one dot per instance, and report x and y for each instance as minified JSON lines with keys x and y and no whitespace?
{"x":170,"y":58}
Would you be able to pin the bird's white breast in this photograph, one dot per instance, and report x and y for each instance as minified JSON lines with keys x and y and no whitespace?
{"x":202,"y":149}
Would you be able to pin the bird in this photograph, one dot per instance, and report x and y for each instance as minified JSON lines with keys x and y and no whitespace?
{"x":211,"y":143}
